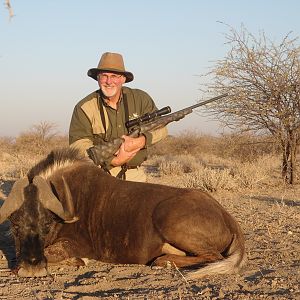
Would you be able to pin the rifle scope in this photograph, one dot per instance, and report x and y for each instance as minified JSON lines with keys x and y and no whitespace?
{"x":148,"y":117}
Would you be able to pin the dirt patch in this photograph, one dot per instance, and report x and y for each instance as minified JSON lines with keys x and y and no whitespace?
{"x":269,"y":218}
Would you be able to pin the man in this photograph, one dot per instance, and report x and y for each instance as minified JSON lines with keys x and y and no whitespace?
{"x":101,"y":116}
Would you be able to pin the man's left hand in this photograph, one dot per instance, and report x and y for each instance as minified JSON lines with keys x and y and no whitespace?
{"x":132,"y":144}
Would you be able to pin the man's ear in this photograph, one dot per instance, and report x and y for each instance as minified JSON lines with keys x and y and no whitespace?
{"x":123,"y":79}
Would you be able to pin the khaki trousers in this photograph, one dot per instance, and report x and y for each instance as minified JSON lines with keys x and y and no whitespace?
{"x":137,"y":174}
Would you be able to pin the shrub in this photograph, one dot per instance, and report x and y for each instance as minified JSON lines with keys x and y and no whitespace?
{"x":209,"y":180}
{"x":241,"y":176}
{"x":242,"y":147}
{"x":176,"y":165}
{"x":251,"y":174}
{"x":187,"y":143}
{"x":245,"y":147}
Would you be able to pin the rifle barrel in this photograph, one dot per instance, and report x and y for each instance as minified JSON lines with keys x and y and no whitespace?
{"x":148,"y":117}
{"x":207,"y":101}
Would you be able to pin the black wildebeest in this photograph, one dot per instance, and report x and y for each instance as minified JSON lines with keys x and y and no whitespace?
{"x":67,"y":207}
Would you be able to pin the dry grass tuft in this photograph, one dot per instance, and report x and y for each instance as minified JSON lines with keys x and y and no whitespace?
{"x":209,"y":180}
{"x":240,"y":176}
{"x":252,"y":174}
{"x":187,"y":143}
{"x":176,"y":165}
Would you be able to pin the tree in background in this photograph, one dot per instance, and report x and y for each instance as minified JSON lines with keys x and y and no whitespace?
{"x":40,"y":139}
{"x":263,"y":82}
{"x":44,"y":131}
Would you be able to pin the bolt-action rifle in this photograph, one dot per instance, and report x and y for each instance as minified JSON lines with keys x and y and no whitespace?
{"x":148,"y":122}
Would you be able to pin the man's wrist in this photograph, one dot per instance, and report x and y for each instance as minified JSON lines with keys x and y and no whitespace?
{"x":116,"y":162}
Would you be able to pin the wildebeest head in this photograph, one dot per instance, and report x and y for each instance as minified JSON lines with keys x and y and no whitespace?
{"x":32,"y":208}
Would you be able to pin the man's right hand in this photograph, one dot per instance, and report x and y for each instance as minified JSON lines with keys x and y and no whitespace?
{"x":123,"y":156}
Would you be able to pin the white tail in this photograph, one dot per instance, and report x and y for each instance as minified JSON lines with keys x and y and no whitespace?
{"x":234,"y":261}
{"x":229,"y":265}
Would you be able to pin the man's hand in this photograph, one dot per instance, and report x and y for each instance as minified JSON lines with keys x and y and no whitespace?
{"x":128,"y":149}
{"x":131,"y":144}
{"x":123,"y":156}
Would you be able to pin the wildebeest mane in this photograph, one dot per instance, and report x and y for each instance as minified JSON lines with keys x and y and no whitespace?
{"x":56,"y":159}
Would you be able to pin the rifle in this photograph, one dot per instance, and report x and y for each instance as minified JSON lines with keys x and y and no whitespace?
{"x":150,"y":121}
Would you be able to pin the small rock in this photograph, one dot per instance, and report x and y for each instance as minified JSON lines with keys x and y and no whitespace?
{"x":221,"y":294}
{"x":206,"y":291}
{"x":157,"y":268}
{"x":274,"y":283}
{"x":169,"y":265}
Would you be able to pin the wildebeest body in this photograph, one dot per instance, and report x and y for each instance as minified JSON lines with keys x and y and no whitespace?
{"x":124,"y":227}
{"x":129,"y":222}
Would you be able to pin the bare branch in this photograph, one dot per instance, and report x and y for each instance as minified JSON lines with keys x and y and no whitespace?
{"x":8,"y":6}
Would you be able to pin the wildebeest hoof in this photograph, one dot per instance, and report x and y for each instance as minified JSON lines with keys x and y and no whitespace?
{"x":160,"y":262}
{"x":75,"y":261}
{"x":32,"y":272}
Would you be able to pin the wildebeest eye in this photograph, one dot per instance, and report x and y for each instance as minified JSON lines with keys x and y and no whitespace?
{"x":13,"y":223}
{"x":47,"y":226}
{"x":14,"y":229}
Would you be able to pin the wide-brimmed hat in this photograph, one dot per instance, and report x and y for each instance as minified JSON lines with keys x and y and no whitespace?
{"x":111,"y":62}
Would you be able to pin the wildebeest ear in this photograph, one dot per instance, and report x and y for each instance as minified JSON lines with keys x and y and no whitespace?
{"x":14,"y":200}
{"x":50,"y":201}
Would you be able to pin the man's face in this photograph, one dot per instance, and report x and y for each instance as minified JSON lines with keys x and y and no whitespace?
{"x":110,"y":83}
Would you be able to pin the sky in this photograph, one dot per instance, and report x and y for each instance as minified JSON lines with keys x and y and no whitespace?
{"x":48,"y":46}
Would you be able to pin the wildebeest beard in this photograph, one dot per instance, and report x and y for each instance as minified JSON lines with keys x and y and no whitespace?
{"x":30,"y":225}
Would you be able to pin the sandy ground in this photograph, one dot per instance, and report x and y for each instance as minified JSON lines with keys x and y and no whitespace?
{"x":269,"y":218}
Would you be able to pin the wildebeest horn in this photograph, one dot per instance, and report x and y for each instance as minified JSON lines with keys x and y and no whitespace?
{"x":69,"y":206}
{"x":14,"y":200}
{"x":50,"y":201}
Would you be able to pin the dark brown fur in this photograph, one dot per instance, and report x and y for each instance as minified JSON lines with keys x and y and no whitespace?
{"x":127,"y":222}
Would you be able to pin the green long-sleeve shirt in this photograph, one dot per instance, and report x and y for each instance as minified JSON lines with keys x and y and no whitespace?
{"x":87,"y":127}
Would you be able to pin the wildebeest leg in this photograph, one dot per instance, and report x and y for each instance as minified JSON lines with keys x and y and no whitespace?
{"x":63,"y":250}
{"x":198,"y":228}
{"x":196,"y":246}
{"x":184,"y":261}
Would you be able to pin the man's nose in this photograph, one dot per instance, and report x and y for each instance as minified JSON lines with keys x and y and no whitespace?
{"x":109,"y":80}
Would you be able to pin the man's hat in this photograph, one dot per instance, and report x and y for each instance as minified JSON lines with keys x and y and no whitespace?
{"x":111,"y":62}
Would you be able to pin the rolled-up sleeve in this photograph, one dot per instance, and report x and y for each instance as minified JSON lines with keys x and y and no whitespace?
{"x":80,"y":131}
